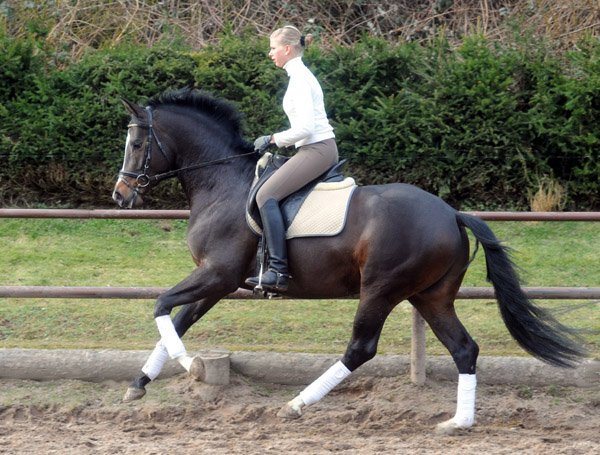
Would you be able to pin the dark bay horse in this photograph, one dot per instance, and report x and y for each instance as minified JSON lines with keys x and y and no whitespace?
{"x":399,"y":243}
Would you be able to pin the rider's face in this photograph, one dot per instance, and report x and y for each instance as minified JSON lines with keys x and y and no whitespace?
{"x":280,"y":53}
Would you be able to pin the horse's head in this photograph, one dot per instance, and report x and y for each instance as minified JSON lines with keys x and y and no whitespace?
{"x":145,"y":158}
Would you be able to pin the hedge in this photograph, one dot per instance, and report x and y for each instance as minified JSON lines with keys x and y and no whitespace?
{"x":480,"y":124}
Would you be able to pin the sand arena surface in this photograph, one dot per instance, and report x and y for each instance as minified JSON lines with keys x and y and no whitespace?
{"x":361,"y":416}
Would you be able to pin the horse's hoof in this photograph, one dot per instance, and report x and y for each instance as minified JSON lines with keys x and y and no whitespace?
{"x":289,"y":412}
{"x":197,"y":369}
{"x":133,"y":394}
{"x":448,"y":428}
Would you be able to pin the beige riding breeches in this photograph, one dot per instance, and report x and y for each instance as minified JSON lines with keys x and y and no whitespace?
{"x":307,"y":164}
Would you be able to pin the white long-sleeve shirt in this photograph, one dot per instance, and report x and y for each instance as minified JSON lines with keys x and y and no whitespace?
{"x":303,"y":104}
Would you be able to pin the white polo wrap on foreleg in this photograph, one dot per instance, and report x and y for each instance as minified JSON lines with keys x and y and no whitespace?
{"x":465,"y":400}
{"x":156,"y":361}
{"x":169,"y":336}
{"x":327,"y":381}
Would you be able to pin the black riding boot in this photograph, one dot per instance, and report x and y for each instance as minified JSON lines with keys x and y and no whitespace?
{"x":276,"y":277}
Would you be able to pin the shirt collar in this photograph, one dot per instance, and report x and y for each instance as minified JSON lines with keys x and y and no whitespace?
{"x":293,"y":65}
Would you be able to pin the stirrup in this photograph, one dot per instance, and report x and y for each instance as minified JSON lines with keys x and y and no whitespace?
{"x":257,"y":289}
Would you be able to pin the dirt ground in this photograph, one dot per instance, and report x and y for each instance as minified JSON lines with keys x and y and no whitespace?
{"x":361,"y":416}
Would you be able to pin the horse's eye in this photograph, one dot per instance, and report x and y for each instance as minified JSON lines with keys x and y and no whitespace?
{"x":137,"y":144}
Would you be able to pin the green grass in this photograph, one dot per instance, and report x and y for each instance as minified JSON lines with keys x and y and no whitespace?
{"x":153,"y":253}
{"x":55,"y":252}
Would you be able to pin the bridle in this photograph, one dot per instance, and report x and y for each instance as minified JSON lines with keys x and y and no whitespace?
{"x":142,"y":180}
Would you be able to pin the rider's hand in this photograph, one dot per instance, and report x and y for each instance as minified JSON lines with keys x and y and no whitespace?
{"x":262,"y":144}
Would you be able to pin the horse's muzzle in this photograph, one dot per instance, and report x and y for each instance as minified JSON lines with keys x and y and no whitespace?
{"x":125,"y":197}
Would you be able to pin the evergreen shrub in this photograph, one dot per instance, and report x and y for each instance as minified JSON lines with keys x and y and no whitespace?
{"x":480,"y":124}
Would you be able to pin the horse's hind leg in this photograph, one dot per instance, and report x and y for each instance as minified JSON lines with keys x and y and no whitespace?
{"x":182,"y":321}
{"x":368,"y":323}
{"x":438,"y":310}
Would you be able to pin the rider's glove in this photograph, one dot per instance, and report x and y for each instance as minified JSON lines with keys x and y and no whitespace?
{"x":262,"y":144}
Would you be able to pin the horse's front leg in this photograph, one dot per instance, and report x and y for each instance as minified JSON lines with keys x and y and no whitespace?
{"x":182,"y":321}
{"x":203,"y":284}
{"x":193,"y":289}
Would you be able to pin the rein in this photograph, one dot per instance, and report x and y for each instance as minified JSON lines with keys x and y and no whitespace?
{"x":169,"y":174}
{"x":142,"y":179}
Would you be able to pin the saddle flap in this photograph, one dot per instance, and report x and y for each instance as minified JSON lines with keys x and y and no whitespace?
{"x":265,"y":167}
{"x":291,"y":204}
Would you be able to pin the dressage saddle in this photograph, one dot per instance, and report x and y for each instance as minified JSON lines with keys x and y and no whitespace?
{"x":290,"y":206}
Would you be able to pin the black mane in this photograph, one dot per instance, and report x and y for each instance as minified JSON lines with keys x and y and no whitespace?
{"x":219,"y":109}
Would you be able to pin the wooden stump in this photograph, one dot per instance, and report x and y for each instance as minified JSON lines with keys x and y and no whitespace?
{"x":215,"y":365}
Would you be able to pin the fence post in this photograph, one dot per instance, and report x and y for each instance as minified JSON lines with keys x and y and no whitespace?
{"x":417,"y":349}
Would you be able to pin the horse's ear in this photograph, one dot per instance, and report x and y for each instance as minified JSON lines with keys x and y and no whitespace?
{"x":132,"y":108}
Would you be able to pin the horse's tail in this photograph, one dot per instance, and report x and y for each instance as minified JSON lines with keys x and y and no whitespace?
{"x":536,"y":331}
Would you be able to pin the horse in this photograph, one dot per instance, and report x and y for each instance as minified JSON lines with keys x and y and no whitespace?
{"x":399,"y":243}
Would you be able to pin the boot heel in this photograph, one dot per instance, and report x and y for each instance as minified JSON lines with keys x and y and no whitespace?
{"x":275,"y":281}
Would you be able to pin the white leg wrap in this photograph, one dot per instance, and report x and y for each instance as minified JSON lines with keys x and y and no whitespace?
{"x":327,"y":381}
{"x":156,"y":361}
{"x":170,"y":339}
{"x":185,"y":361}
{"x":465,"y":400}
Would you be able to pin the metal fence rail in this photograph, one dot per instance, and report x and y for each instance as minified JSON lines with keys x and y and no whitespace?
{"x":153,"y":292}
{"x":106,"y":292}
{"x":99,"y":214}
{"x":185,"y":214}
{"x":418,"y":372}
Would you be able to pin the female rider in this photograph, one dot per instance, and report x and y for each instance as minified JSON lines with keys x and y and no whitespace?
{"x":313,"y":138}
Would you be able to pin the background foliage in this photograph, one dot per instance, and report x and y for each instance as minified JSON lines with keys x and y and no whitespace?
{"x":463,"y":101}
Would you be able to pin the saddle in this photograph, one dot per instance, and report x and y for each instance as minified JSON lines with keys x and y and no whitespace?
{"x":291,"y":206}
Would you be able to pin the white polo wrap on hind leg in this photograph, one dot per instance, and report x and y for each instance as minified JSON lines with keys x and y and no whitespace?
{"x":156,"y":361}
{"x":327,"y":381}
{"x":465,"y":400}
{"x":169,"y":337}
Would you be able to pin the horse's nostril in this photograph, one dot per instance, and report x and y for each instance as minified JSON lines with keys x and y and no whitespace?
{"x":117,"y":197}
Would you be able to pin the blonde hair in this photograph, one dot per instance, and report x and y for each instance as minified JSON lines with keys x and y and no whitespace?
{"x":291,"y":36}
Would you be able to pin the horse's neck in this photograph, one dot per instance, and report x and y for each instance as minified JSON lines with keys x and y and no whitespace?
{"x":228,"y":183}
